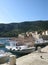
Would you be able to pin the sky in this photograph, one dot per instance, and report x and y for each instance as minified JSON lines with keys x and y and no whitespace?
{"x":23,"y":10}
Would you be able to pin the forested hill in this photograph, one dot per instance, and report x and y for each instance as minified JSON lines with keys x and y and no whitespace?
{"x":13,"y":29}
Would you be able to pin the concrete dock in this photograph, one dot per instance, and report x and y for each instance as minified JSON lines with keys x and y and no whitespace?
{"x":32,"y":59}
{"x":38,"y":57}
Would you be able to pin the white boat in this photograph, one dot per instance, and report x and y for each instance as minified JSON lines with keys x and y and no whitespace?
{"x":22,"y":49}
{"x":40,"y":40}
{"x":40,"y":43}
{"x":2,"y":45}
{"x":3,"y":57}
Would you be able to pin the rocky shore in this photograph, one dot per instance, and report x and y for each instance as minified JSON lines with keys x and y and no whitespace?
{"x":35,"y":58}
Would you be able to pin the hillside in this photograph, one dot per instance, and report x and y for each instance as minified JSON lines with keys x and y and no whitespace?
{"x":13,"y":29}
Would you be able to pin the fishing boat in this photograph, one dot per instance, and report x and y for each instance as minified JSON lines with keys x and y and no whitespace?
{"x":2,"y":45}
{"x":21,"y":49}
{"x":40,"y":42}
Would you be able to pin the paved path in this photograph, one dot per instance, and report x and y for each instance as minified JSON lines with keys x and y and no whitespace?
{"x":32,"y":59}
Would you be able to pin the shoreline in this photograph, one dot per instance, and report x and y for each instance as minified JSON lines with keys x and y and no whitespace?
{"x":32,"y":59}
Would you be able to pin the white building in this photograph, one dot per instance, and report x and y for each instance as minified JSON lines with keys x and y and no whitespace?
{"x":45,"y":32}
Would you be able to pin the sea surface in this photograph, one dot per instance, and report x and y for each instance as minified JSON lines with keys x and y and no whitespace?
{"x":3,"y":41}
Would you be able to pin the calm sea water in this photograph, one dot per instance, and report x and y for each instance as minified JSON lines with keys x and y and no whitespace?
{"x":3,"y":41}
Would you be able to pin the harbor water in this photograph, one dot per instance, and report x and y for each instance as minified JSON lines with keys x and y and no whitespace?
{"x":4,"y":42}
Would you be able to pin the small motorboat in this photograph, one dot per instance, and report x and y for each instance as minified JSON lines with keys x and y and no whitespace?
{"x":40,"y":43}
{"x":19,"y":49}
{"x":2,"y":45}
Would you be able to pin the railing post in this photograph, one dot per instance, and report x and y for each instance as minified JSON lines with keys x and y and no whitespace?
{"x":39,"y":49}
{"x":12,"y":60}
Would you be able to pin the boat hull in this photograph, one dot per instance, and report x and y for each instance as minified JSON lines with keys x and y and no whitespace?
{"x":40,"y":45}
{"x":22,"y":52}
